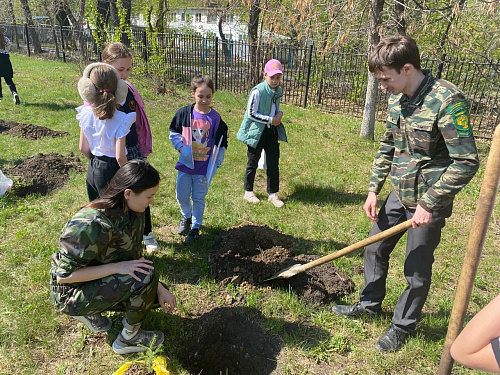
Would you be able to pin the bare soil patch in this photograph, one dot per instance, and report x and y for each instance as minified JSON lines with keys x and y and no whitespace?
{"x":28,"y":131}
{"x":251,"y":254}
{"x":229,"y":340}
{"x":222,"y":334}
{"x":42,"y":174}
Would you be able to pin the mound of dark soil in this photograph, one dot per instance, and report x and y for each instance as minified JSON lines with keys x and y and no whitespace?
{"x":229,"y":341}
{"x":42,"y":173}
{"x":252,"y":254}
{"x":28,"y":131}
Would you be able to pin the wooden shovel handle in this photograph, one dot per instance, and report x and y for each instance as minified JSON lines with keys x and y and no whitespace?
{"x":358,"y":245}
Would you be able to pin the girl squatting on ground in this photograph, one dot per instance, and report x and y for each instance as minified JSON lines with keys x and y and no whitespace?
{"x":103,"y":128}
{"x":6,"y":70}
{"x":99,"y":265}
{"x":200,"y":135}
{"x":261,"y":129}
{"x":139,"y":141}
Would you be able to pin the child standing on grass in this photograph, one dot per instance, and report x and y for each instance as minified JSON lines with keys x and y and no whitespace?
{"x":6,"y":67}
{"x":102,"y":128}
{"x":99,"y":265}
{"x":200,"y":135}
{"x":261,"y":129}
{"x":139,"y":139}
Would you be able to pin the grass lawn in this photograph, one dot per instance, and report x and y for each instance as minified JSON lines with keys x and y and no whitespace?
{"x":324,"y":176}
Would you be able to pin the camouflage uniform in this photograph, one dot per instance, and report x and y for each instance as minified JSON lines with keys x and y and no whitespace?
{"x":95,"y":237}
{"x":430,"y":153}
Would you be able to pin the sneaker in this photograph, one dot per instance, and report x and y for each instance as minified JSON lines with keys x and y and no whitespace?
{"x":150,"y":242}
{"x":16,"y":98}
{"x":251,"y":197}
{"x":392,"y":340}
{"x":353,"y":311}
{"x":275,"y":200}
{"x":192,"y":235}
{"x":139,"y":343}
{"x":1,"y":98}
{"x":184,"y":226}
{"x":96,"y":322}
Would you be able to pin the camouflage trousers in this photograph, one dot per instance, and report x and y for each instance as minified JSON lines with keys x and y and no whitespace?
{"x":112,"y":293}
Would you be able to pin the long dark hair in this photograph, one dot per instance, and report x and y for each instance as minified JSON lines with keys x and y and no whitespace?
{"x":136,"y":175}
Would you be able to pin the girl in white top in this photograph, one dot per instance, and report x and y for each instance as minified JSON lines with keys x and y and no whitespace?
{"x":103,"y":128}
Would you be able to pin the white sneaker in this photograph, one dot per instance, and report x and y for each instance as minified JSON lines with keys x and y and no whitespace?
{"x":275,"y":200}
{"x":16,"y":98}
{"x":151,"y":243}
{"x":251,"y":197}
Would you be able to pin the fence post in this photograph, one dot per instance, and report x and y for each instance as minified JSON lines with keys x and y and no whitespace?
{"x":308,"y":75}
{"x":216,"y":82}
{"x":27,"y":38}
{"x":62,"y":44}
{"x":145,"y":43}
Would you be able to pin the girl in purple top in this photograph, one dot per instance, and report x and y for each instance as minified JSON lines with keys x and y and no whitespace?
{"x":200,"y":135}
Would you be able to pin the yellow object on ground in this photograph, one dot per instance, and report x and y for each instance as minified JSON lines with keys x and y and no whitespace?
{"x":159,"y":365}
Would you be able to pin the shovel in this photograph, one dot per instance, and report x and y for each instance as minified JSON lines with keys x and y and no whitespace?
{"x":300,"y":268}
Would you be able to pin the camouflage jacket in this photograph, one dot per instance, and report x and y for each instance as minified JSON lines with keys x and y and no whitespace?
{"x":428,"y":147}
{"x":94,"y":237}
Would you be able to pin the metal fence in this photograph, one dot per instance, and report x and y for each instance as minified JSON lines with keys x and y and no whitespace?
{"x":334,"y":82}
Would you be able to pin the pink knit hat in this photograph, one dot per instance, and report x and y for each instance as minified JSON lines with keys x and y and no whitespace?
{"x":273,"y":67}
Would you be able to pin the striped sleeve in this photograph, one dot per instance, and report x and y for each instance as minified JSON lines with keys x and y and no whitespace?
{"x":253,"y":106}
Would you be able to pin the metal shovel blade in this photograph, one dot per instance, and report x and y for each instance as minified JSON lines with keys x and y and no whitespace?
{"x":285,"y":273}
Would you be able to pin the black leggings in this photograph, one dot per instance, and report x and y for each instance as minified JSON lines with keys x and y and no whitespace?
{"x":9,"y":83}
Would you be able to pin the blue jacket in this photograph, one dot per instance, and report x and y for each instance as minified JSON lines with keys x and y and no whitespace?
{"x":253,"y":124}
{"x":181,"y":119}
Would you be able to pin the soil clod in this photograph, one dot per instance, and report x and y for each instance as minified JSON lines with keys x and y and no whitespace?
{"x":252,"y":254}
{"x":28,"y":131}
{"x":41,"y":174}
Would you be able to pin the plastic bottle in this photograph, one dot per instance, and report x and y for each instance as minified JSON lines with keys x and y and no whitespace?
{"x":5,"y":183}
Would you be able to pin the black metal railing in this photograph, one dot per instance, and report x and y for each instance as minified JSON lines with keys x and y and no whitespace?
{"x":333,"y":82}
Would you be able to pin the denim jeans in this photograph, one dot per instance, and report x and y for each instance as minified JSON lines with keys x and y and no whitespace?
{"x":191,"y":187}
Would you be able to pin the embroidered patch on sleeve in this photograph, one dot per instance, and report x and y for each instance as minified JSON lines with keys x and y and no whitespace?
{"x":460,"y":114}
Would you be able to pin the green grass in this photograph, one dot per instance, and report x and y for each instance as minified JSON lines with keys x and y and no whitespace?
{"x":324,"y":176}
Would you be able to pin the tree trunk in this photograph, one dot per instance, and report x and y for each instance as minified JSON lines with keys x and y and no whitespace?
{"x":368,"y":122}
{"x":49,"y":12}
{"x":225,"y":48}
{"x":253,"y":28}
{"x":37,"y":48}
{"x":127,"y":7}
{"x":444,"y":38}
{"x":82,"y":40}
{"x":13,"y":15}
{"x":399,"y":8}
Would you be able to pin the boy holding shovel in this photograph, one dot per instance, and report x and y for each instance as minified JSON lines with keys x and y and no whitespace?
{"x":429,"y":153}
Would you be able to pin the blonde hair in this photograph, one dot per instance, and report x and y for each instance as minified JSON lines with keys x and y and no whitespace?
{"x":115,"y":51}
{"x":106,"y":82}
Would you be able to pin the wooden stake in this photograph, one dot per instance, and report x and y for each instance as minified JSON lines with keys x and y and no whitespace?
{"x":479,"y":227}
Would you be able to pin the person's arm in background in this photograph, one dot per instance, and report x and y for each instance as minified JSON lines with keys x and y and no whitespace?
{"x":473,"y":347}
{"x":121,"y":155}
{"x":84,"y":145}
